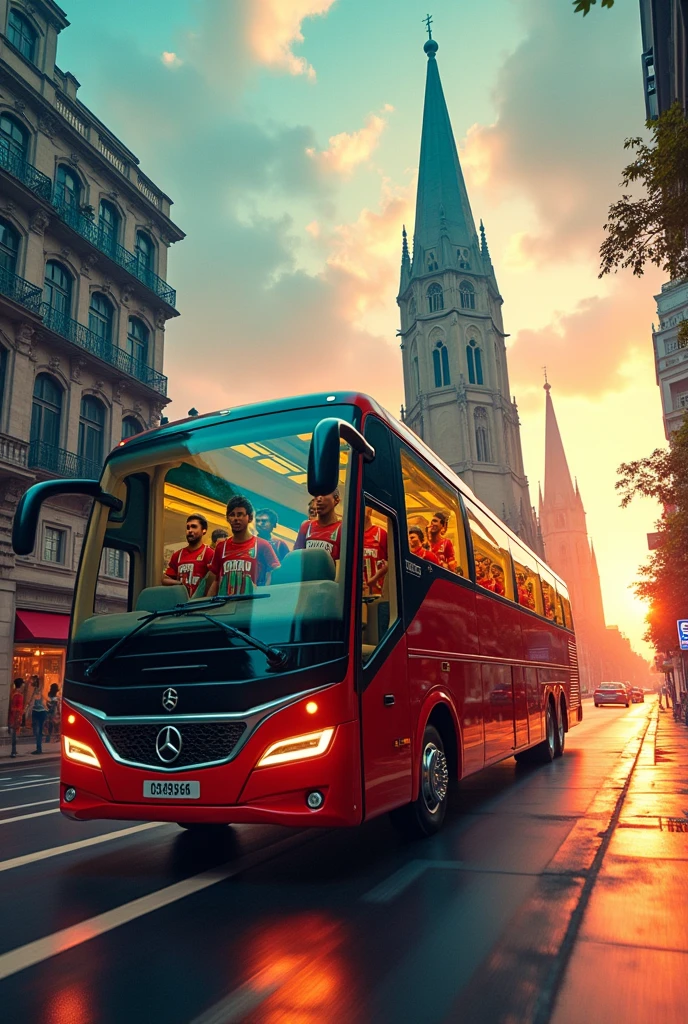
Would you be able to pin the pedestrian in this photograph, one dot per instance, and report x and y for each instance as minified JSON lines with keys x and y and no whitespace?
{"x":53,"y":708}
{"x":38,"y":716}
{"x":15,"y":713}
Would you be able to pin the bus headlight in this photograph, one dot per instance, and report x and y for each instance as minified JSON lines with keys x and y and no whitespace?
{"x":81,"y":752}
{"x":296,"y":748}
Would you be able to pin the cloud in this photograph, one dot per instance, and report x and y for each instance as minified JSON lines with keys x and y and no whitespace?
{"x":273,"y":28}
{"x":170,"y":60}
{"x":349,"y":149}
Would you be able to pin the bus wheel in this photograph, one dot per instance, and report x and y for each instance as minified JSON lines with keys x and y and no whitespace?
{"x":546,"y":751}
{"x":425,"y":815}
{"x":560,"y":741}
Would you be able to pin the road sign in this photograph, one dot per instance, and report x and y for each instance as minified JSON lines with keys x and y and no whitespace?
{"x":683,"y":634}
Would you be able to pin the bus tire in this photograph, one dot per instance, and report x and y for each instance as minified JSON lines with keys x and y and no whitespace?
{"x":424,"y":816}
{"x":544,"y":752}
{"x":560,"y":741}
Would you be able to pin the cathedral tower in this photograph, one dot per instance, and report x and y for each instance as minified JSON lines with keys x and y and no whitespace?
{"x":456,"y":378}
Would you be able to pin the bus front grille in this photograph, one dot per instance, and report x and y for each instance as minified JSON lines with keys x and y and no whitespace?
{"x":201,"y":743}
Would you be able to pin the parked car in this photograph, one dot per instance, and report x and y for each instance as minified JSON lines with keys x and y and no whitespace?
{"x":638,"y":695}
{"x":611,"y":693}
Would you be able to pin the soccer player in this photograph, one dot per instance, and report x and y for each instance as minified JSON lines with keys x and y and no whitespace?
{"x":242,"y":561}
{"x":324,"y":532}
{"x":217,"y":536}
{"x":375,"y":562}
{"x":417,"y":547}
{"x":266,"y":521}
{"x":482,"y":572}
{"x":441,"y":546}
{"x":312,"y":514}
{"x":497,"y":574}
{"x":189,"y":565}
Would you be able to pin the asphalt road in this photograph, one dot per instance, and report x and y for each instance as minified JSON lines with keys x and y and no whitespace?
{"x":113,"y":923}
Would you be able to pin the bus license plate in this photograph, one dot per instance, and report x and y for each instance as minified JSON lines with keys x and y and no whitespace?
{"x":171,"y":790}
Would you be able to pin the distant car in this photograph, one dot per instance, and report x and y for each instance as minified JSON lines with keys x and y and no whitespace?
{"x":611,"y":693}
{"x":638,"y":695}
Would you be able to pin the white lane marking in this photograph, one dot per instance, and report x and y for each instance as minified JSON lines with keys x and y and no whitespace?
{"x":59,"y":942}
{"x":25,"y":817}
{"x":27,"y":785}
{"x":393,"y":886}
{"x":243,"y":1000}
{"x":55,"y":851}
{"x":28,"y":779}
{"x":34,"y":803}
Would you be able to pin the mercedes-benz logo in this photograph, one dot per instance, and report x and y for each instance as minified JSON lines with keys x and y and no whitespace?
{"x":168,"y":744}
{"x":169,"y":699}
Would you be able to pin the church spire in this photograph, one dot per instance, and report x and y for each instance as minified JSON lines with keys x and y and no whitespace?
{"x":558,"y":486}
{"x":442,"y":206}
{"x":405,"y":261}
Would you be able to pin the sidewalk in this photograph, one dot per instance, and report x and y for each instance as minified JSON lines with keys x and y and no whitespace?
{"x":630,"y":957}
{"x":51,"y":751}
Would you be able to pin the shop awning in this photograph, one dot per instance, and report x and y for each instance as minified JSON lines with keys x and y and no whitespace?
{"x":43,"y":626}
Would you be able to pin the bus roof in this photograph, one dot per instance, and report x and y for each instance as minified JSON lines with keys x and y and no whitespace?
{"x":364,"y":402}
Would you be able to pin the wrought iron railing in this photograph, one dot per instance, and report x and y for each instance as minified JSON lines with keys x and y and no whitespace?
{"x":23,"y":292}
{"x":61,"y":462}
{"x":29,"y":175}
{"x":88,"y":228}
{"x":88,"y":340}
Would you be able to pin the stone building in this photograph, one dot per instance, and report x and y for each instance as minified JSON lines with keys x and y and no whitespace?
{"x":456,"y":378}
{"x":83,"y":304}
{"x":671,"y":353}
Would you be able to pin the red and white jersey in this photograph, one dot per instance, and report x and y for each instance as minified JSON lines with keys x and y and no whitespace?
{"x":244,"y":564}
{"x":327,"y":538}
{"x":189,"y":567}
{"x":443,"y":550}
{"x":374,"y":555}
{"x":427,"y":555}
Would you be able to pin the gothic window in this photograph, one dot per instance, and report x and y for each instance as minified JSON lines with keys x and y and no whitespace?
{"x":440,"y":363}
{"x":46,"y":412}
{"x":22,"y":35}
{"x":412,"y":312}
{"x":435,"y":298}
{"x":100,"y":317}
{"x":91,"y":430}
{"x":57,"y":291}
{"x":467,"y":295}
{"x":108,"y":225}
{"x":482,"y":435}
{"x":67,"y":187}
{"x":9,"y":249}
{"x":463,"y":259}
{"x":432,"y":262}
{"x":137,"y":340}
{"x":475,"y":363}
{"x":130,"y":427}
{"x":560,"y":521}
{"x":14,"y":141}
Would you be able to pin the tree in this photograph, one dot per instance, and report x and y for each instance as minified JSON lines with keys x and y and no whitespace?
{"x":663,"y":582}
{"x":652,"y":227}
{"x":586,"y":5}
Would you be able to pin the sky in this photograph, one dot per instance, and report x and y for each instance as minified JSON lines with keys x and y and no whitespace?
{"x":287,"y":133}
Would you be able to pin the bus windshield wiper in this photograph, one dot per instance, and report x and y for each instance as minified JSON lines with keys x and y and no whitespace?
{"x":275,"y":656}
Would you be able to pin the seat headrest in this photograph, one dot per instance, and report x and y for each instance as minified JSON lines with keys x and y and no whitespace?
{"x":161,"y":599}
{"x":304,"y":566}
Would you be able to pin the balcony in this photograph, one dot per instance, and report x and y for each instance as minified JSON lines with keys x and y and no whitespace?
{"x":19,"y":290}
{"x":91,"y":231}
{"x":47,"y":457}
{"x":13,"y":450}
{"x":26,"y":173}
{"x":90,"y":342}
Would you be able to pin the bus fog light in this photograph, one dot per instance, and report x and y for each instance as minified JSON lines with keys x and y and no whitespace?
{"x":70,"y":794}
{"x":315,"y":800}
{"x":296,"y":748}
{"x":80,"y":752}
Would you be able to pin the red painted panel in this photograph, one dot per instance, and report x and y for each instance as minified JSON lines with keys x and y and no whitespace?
{"x":520,"y":706}
{"x":387,"y":761}
{"x":498,"y":704}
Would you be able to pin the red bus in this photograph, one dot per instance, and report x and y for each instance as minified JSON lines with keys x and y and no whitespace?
{"x":331,"y":689}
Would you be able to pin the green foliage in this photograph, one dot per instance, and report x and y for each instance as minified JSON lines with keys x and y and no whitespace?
{"x":663,"y":582}
{"x":654,"y":227}
{"x":586,"y":5}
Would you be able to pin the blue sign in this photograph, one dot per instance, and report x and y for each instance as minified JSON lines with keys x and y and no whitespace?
{"x":683,"y":634}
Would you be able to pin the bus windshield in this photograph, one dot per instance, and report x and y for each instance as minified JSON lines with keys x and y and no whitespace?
{"x":216,"y":518}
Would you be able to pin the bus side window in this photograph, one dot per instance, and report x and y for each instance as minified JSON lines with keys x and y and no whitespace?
{"x":528,"y":591}
{"x":549,"y":596}
{"x":433,"y":506}
{"x":490,"y":553}
{"x":379,"y":585}
{"x":566,"y":608}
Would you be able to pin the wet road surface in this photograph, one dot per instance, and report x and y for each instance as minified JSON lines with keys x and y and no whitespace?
{"x":111,"y":922}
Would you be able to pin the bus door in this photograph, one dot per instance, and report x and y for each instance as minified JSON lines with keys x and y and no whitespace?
{"x":383,"y":676}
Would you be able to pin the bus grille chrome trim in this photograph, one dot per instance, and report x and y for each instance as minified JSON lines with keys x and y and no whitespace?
{"x":202,"y":742}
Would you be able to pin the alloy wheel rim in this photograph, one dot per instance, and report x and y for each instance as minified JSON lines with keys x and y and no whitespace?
{"x":550,"y":727}
{"x":434,"y":777}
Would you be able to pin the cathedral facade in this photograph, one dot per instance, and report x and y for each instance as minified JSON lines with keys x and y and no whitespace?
{"x":456,"y":376}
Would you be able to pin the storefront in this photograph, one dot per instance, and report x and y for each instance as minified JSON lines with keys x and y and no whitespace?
{"x":40,"y":644}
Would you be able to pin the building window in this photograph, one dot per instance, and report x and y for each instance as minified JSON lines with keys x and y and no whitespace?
{"x":130,"y":427}
{"x":91,"y":430}
{"x":22,"y":35}
{"x":145,"y":251}
{"x":462,"y":256}
{"x":46,"y":411}
{"x":435,"y":298}
{"x":440,"y":363}
{"x":67,"y":187}
{"x":14,"y":140}
{"x":432,"y":262}
{"x":9,"y":249}
{"x":137,"y":340}
{"x":475,"y":363}
{"x":57,"y":294}
{"x":108,"y":225}
{"x":416,"y":374}
{"x":412,"y":308}
{"x":115,"y":563}
{"x":100,"y":315}
{"x":482,"y":435}
{"x":54,"y":545}
{"x":467,"y":295}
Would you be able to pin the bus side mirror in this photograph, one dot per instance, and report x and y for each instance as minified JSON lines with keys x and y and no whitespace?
{"x":29,"y":507}
{"x":323,"y":457}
